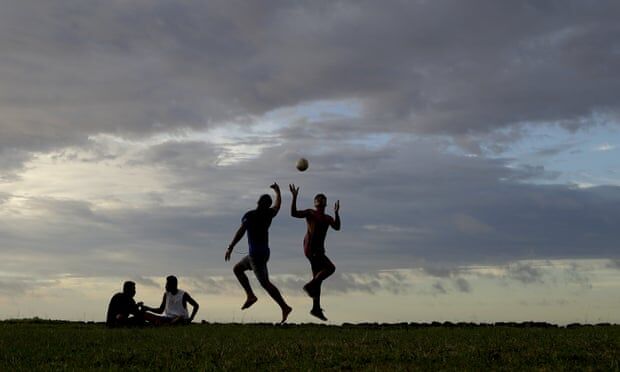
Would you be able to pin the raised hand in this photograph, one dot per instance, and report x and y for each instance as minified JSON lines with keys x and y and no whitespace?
{"x":337,"y":206}
{"x":294,"y":190}
{"x":275,"y":187}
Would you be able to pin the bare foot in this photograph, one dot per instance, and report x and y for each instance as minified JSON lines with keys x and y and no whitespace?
{"x":318,"y":313}
{"x":249,"y":302}
{"x":285,"y":311}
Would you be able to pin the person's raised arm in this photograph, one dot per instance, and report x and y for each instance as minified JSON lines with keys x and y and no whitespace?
{"x":238,"y":236}
{"x":294,"y":211}
{"x":194,"y":304}
{"x":278,"y":203}
{"x":158,"y":310}
{"x":335,"y":223}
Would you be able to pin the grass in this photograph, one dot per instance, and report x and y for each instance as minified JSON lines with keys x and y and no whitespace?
{"x":46,"y":345}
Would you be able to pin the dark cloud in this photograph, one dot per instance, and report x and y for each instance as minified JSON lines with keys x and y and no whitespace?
{"x":133,"y":68}
{"x":479,"y":72}
{"x":462,"y":285}
{"x":439,"y":288}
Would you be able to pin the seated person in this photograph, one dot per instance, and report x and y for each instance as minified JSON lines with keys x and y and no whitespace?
{"x":122,"y":306}
{"x":173,"y":305}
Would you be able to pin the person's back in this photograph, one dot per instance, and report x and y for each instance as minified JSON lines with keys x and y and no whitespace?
{"x":175,"y":307}
{"x":122,"y":305}
{"x":118,"y":303}
{"x":257,"y":222}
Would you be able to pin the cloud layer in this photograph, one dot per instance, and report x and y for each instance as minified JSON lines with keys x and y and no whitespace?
{"x":135,"y":134}
{"x":71,"y":69}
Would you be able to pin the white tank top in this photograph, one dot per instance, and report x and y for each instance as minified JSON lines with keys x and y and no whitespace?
{"x":174,"y":305}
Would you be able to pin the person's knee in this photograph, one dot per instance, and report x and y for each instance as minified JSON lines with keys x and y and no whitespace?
{"x":331,"y":268}
{"x":238,"y":269}
{"x":265,"y":283}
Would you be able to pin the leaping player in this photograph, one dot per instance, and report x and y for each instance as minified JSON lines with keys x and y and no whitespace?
{"x":256,"y":222}
{"x":314,"y":245}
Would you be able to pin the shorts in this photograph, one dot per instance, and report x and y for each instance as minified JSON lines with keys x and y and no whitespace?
{"x":258,"y":265}
{"x":319,"y":262}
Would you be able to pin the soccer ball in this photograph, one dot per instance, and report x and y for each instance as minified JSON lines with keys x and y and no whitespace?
{"x":302,"y":164}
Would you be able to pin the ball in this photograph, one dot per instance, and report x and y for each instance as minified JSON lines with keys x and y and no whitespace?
{"x":302,"y":164}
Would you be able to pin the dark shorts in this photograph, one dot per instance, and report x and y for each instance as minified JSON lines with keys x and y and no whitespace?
{"x":320,"y":262}
{"x":256,"y":264}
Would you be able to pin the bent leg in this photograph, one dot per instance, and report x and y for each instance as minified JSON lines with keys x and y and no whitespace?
{"x":324,"y":270}
{"x":239,"y":270}
{"x":262,"y":274}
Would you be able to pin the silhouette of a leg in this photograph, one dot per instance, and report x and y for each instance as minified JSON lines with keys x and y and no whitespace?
{"x":277,"y":297}
{"x":321,"y":270}
{"x":239,"y":271}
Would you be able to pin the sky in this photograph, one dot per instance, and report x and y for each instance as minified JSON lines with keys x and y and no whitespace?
{"x":473,"y":147}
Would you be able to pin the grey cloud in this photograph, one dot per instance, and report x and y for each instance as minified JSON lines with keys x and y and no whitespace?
{"x":525,"y":273}
{"x":371,"y":283}
{"x":462,"y":285}
{"x":17,"y":286}
{"x":614,"y":264}
{"x":147,"y":282}
{"x":576,"y":275}
{"x":12,"y":161}
{"x":72,"y":69}
{"x":408,"y":183}
{"x":439,"y":288}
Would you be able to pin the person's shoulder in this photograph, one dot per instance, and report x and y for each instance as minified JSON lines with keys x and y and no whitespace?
{"x":248,"y":215}
{"x":118,"y":297}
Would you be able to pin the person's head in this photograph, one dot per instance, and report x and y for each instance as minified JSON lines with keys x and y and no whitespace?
{"x":129,"y":288}
{"x":320,"y":201}
{"x":171,"y":283}
{"x":264,"y":201}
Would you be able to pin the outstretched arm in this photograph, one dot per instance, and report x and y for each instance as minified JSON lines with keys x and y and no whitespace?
{"x":158,"y":310}
{"x":336,"y":222}
{"x":278,"y":203}
{"x":238,"y":236}
{"x":194,"y":304}
{"x":294,"y":211}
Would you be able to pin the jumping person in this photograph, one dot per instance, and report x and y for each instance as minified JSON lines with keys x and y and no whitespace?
{"x":256,"y":222}
{"x":314,"y":245}
{"x":173,"y":305}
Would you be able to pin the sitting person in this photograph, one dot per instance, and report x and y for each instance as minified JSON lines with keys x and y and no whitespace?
{"x":173,"y":305}
{"x":123,"y":310}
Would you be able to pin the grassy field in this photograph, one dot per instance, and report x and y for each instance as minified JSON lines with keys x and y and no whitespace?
{"x":41,"y":345}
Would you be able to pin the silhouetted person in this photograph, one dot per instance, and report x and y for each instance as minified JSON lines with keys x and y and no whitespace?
{"x":256,"y":222}
{"x":173,"y":305}
{"x":123,"y":310}
{"x":314,"y":245}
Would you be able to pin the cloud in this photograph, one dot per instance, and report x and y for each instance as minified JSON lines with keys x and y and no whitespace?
{"x":614,"y":264}
{"x":605,"y":147}
{"x":525,"y":273}
{"x":138,"y":68}
{"x":462,"y":285}
{"x":439,"y":288}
